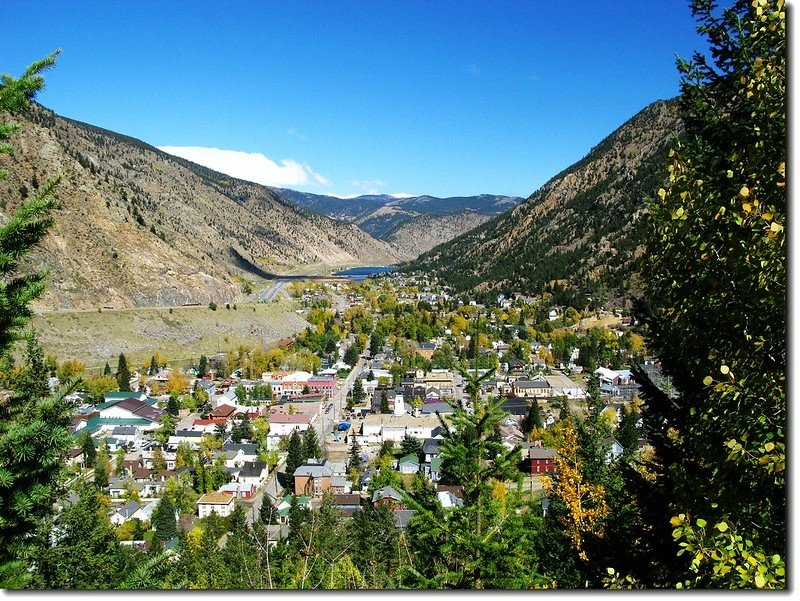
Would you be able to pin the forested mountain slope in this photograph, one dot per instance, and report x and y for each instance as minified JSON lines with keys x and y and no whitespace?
{"x":581,"y":227}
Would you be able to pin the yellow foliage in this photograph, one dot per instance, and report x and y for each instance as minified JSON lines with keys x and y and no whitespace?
{"x":195,"y":536}
{"x":585,"y":501}
{"x":177,"y":383}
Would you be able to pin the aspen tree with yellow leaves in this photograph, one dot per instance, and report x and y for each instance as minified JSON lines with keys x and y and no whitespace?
{"x":714,"y":307}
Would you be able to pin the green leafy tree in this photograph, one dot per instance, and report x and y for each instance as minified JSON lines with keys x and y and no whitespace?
{"x":119,"y":459}
{"x":101,"y":467}
{"x":241,"y":395}
{"x":714,"y":279}
{"x":159,"y":461}
{"x":123,"y":373}
{"x":98,"y":386}
{"x":184,"y":455}
{"x":167,"y":429}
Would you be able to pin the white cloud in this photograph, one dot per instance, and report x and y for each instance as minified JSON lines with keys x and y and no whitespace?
{"x":250,"y":166}
{"x":403,"y":195}
{"x":371,"y":186}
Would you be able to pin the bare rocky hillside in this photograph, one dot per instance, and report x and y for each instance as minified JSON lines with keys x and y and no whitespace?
{"x":138,"y":227}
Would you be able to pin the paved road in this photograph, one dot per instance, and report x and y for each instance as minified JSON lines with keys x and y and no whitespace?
{"x":326,"y":421}
{"x":268,"y":294}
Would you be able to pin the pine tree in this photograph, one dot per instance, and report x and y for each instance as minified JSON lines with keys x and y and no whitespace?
{"x":373,"y":538}
{"x":123,"y":374}
{"x":267,"y":513}
{"x":34,"y":432}
{"x":86,"y":554}
{"x":299,"y":518}
{"x":533,"y":420}
{"x":384,"y":408}
{"x":358,"y":391}
{"x":89,"y":450}
{"x":164,"y":522}
{"x":410,"y":446}
{"x":627,"y":433}
{"x":153,"y":366}
{"x":354,"y":462}
{"x":311,"y":446}
{"x":294,"y":458}
{"x":107,"y":369}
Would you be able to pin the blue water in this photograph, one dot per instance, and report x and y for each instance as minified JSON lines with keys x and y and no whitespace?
{"x":359,"y":274}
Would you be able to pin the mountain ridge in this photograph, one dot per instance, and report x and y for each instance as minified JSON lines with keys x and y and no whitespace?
{"x":139,"y":227}
{"x":384,"y":216}
{"x":580,"y":228}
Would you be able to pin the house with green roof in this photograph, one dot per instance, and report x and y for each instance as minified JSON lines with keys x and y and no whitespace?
{"x":408,"y":464}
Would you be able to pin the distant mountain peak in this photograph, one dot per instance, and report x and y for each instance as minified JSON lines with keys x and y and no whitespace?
{"x":412,"y":224}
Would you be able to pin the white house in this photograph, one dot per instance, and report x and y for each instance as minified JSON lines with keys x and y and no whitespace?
{"x":376,"y":428}
{"x":253,"y":472}
{"x":408,"y":464}
{"x":145,"y":513}
{"x":215,"y":502}
{"x":282,"y":424}
{"x":120,"y":515}
{"x":239,"y":489}
{"x":131,"y":408}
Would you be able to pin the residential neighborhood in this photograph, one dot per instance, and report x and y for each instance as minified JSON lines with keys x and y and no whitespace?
{"x":375,"y":409}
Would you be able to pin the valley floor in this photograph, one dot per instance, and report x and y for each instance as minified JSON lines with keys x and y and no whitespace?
{"x":177,"y":333}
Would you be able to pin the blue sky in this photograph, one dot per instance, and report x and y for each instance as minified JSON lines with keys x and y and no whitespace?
{"x":406,"y":97}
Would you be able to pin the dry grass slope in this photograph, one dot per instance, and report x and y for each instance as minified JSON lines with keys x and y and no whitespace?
{"x":178,"y":334}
